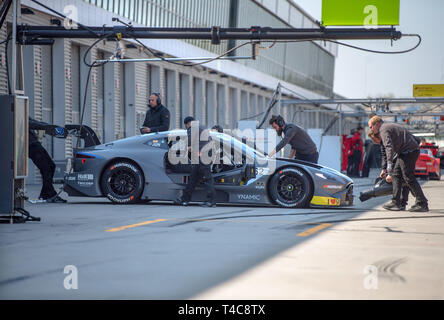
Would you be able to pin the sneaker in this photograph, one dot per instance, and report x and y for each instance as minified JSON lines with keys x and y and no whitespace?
{"x":56,"y":199}
{"x":419,"y":208}
{"x":392,"y":206}
{"x":402,"y":207}
{"x":179,"y":202}
{"x":208,"y":204}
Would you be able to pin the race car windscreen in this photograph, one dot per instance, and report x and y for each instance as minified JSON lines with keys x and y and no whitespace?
{"x":229,"y":141}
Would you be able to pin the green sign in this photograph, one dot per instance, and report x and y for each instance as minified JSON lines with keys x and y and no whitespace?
{"x":369,"y":13}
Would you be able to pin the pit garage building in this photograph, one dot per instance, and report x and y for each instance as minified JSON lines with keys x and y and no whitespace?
{"x":220,"y":92}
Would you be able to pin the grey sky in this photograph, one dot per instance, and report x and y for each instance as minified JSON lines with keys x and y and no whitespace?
{"x":359,"y":74}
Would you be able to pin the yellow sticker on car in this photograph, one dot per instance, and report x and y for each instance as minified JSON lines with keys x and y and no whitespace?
{"x":325,"y":201}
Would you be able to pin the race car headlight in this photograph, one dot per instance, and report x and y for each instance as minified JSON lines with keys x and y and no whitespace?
{"x":321,"y":175}
{"x":327,"y":176}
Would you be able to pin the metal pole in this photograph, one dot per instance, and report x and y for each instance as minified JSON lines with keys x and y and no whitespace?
{"x":363,"y":101}
{"x":215,"y":34}
{"x":341,"y":159}
{"x":14,"y":46}
{"x":173,"y":59}
{"x":340,"y":120}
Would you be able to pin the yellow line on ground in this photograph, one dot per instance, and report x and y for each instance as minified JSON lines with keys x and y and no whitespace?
{"x":135,"y":225}
{"x":314,"y":229}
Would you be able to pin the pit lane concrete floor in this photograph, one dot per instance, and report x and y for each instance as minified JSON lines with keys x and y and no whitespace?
{"x":162,"y":251}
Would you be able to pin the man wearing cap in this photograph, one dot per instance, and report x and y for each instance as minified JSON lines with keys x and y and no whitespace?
{"x":200,"y":165}
{"x":401,"y":152}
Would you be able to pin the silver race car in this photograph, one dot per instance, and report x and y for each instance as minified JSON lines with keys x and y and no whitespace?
{"x":139,"y":168}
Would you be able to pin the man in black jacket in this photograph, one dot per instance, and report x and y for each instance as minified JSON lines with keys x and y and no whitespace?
{"x":42,"y":160}
{"x":302,"y":146}
{"x":401,"y":152}
{"x":157,"y":117}
{"x":200,"y":166}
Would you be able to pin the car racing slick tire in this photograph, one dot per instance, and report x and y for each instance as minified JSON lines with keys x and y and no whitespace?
{"x":122,"y":182}
{"x":291,"y":188}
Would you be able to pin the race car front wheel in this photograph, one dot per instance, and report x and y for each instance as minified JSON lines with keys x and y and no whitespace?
{"x":122,"y":182}
{"x":291,"y":188}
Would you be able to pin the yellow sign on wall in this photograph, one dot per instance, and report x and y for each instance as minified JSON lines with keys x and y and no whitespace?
{"x":428,"y":90}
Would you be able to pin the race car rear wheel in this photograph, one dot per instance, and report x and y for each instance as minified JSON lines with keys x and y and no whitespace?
{"x":291,"y":188}
{"x":122,"y":182}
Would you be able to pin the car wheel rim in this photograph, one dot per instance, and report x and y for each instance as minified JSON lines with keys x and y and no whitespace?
{"x":123,"y":182}
{"x":290,"y":188}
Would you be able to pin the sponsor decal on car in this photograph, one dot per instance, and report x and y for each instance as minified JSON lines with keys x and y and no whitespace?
{"x":260,"y":185}
{"x":85,"y":179}
{"x":114,"y":199}
{"x":249,"y":197}
{"x":333,"y":187}
{"x":85,"y":176}
{"x":85,"y":183}
{"x":325,"y":201}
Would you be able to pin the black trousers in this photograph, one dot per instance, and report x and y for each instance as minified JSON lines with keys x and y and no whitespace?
{"x":200,"y":171}
{"x":308,"y":157}
{"x":404,"y":171}
{"x":354,"y":161}
{"x":43,"y":161}
{"x":404,"y":195}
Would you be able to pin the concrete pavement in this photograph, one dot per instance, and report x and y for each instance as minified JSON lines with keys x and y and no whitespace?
{"x":377,"y":255}
{"x":162,"y":251}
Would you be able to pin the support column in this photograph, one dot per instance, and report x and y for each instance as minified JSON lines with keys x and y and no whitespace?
{"x":130,"y":99}
{"x":244,"y":105}
{"x":29,"y":64}
{"x":171,"y":103}
{"x":61,"y":76}
{"x":234,"y":107}
{"x":84,"y":69}
{"x":185,"y":97}
{"x":211,"y":103}
{"x":221,"y":106}
{"x":199,"y":102}
{"x":109,"y":102}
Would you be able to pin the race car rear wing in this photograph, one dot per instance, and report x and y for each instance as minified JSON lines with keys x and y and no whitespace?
{"x":85,"y":133}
